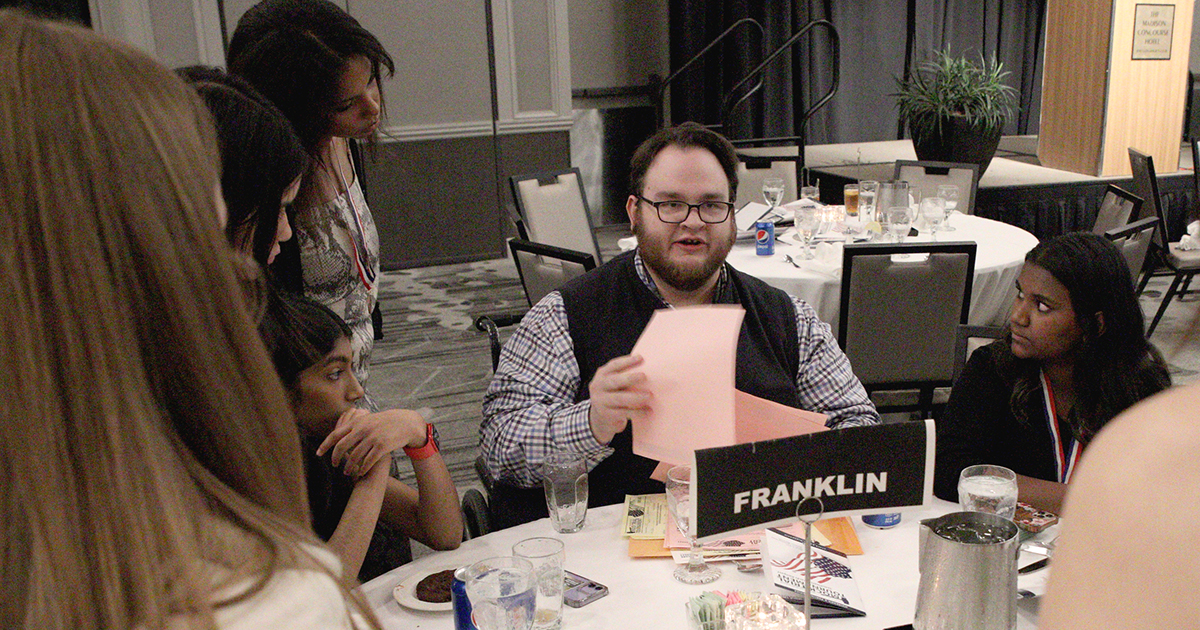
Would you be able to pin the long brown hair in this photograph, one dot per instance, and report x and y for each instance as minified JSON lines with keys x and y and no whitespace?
{"x":147,"y":450}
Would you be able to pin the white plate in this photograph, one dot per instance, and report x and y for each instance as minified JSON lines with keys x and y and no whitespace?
{"x":405,"y":592}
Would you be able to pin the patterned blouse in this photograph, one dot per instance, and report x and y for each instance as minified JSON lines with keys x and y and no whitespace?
{"x":325,"y":235}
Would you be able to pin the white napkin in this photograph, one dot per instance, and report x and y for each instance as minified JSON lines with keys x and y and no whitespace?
{"x":1191,"y":240}
{"x":827,"y":258}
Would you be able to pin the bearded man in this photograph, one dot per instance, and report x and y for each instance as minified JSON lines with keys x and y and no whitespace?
{"x":566,"y":380}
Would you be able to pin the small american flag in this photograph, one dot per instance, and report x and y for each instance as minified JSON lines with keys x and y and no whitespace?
{"x":824,"y":569}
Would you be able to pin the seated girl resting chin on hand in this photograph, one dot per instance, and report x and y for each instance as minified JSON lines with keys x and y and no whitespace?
{"x":365,"y":515}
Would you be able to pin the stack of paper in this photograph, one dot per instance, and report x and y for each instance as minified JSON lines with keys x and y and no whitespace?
{"x":652,"y":533}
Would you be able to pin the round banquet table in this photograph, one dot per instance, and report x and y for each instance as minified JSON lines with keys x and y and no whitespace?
{"x":998,"y":259}
{"x":642,"y":593}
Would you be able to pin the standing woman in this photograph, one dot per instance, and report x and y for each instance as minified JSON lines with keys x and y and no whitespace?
{"x":1074,"y":356}
{"x":150,"y":470}
{"x":322,"y":69}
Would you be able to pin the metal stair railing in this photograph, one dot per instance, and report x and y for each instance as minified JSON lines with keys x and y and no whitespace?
{"x":659,"y":104}
{"x":835,"y":46}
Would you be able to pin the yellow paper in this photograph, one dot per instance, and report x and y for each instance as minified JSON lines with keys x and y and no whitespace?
{"x":646,"y":516}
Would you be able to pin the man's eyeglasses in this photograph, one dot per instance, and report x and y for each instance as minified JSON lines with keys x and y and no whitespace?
{"x":678,"y":211}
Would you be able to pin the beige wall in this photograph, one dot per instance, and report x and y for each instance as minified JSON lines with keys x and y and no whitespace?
{"x":618,"y":43}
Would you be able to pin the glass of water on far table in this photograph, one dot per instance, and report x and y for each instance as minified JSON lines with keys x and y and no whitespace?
{"x":772,"y":190}
{"x":948,"y":192}
{"x":866,"y":199}
{"x":933,"y":211}
{"x":988,"y":488}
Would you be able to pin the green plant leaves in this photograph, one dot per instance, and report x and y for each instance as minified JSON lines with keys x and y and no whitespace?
{"x":949,"y":86}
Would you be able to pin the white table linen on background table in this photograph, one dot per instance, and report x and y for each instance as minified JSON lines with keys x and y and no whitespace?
{"x":998,"y":260}
{"x":642,"y":593}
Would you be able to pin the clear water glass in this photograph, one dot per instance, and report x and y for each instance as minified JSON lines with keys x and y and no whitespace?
{"x":949,"y":192}
{"x":807,"y":224}
{"x":503,"y":593}
{"x":899,"y":222}
{"x":547,"y":556}
{"x":988,"y":488}
{"x":565,"y":480}
{"x":772,"y":190}
{"x":933,"y":210}
{"x":679,"y":483}
{"x":867,"y":191}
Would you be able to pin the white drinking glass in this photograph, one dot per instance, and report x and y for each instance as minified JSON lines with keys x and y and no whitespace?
{"x":933,"y":210}
{"x":899,"y":222}
{"x":503,"y":593}
{"x":772,"y":190}
{"x":949,"y":192}
{"x":547,"y":556}
{"x":988,"y":488}
{"x":867,"y":191}
{"x":810,"y":192}
{"x":807,"y":224}
{"x":679,"y":483}
{"x":565,"y":479}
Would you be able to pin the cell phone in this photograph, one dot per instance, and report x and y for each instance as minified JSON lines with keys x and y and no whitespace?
{"x":580,"y":591}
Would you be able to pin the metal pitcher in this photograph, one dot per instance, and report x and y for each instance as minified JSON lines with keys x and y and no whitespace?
{"x":891,"y":194}
{"x":968,"y":563}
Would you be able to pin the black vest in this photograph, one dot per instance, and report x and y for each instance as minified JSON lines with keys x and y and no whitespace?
{"x":607,"y":309}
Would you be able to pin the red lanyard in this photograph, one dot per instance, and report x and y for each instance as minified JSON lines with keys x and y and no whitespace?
{"x":1066,"y":448}
{"x":362,"y":263}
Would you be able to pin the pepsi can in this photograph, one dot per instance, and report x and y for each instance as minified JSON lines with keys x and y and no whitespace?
{"x":764,"y":238}
{"x":460,"y":601}
{"x":881,"y":521}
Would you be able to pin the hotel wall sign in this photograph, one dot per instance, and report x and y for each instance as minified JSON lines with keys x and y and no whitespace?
{"x":1153,"y":28}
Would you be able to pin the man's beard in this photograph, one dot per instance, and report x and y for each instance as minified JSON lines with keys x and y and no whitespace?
{"x":684,"y":278}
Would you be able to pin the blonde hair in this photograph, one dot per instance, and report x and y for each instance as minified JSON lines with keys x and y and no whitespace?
{"x":147,"y":450}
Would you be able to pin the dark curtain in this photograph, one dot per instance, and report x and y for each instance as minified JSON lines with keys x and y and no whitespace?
{"x":879,"y":40}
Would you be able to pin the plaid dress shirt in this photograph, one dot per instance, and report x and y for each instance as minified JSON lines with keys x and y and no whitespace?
{"x":530,"y":410}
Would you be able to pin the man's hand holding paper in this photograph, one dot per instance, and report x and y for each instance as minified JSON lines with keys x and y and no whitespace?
{"x":689,"y":366}
{"x":618,"y":394}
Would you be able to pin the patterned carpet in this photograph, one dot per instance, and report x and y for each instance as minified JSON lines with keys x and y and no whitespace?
{"x":432,"y":356}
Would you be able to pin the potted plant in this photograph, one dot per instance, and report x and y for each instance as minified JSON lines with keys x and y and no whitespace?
{"x":956,"y":108}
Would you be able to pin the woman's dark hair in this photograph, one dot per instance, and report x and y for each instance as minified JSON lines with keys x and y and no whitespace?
{"x":298,"y":333}
{"x":295,"y":52}
{"x":686,"y":135}
{"x":1115,"y":366}
{"x":260,"y":156}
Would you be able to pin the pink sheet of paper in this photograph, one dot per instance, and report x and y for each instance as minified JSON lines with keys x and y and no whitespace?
{"x":759,"y":419}
{"x":689,"y":357}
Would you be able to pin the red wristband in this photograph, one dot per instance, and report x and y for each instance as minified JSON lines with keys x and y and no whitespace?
{"x":429,"y":449}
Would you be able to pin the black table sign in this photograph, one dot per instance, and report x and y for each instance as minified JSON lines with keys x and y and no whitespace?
{"x":862,"y":469}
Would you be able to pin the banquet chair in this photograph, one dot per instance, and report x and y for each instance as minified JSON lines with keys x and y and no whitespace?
{"x":1134,"y":240}
{"x":553,"y":209}
{"x":752,"y":170}
{"x":927,"y":176}
{"x":542,"y":269}
{"x":1182,"y":264}
{"x":901,"y":305}
{"x":968,"y":339}
{"x":1117,"y":209}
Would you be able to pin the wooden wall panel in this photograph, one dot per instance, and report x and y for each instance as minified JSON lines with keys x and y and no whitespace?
{"x":1097,"y":100}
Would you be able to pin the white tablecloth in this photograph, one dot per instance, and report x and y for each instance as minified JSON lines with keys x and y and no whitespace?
{"x":998,"y":259}
{"x":642,"y":593}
